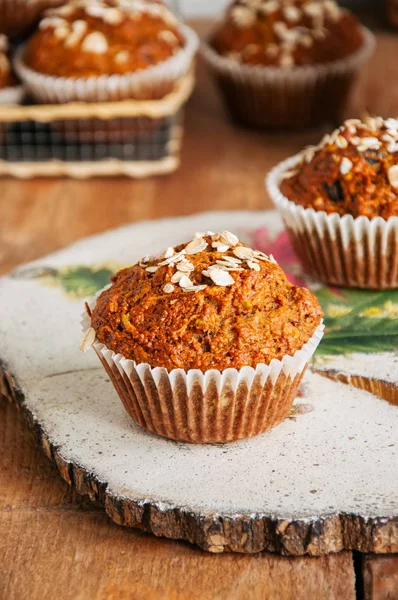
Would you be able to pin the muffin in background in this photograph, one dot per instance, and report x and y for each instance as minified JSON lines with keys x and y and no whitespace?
{"x":18,"y":16}
{"x":11,"y":92}
{"x":206,"y":343}
{"x":339,"y":201}
{"x":286,"y":64}
{"x":106,"y":50}
{"x":392,"y":12}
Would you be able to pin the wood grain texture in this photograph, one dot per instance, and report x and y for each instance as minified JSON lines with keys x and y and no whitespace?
{"x":53,"y":544}
{"x":380,"y":575}
{"x":223,"y":167}
{"x":216,"y":533}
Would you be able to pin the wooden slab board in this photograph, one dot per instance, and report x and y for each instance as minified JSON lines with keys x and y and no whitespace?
{"x":55,"y":544}
{"x":322,"y":481}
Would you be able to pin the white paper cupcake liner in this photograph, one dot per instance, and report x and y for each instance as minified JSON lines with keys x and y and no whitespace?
{"x":210,"y":407}
{"x":12,"y":95}
{"x":343,"y":251}
{"x":147,"y":84}
{"x":272,"y":97}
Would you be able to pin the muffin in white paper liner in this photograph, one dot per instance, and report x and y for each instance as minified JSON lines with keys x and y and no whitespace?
{"x":274,"y":97}
{"x":12,"y":95}
{"x":146,"y":84}
{"x":210,"y":407}
{"x":344,"y":251}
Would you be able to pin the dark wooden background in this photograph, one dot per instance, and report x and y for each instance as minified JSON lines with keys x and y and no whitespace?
{"x":53,"y":543}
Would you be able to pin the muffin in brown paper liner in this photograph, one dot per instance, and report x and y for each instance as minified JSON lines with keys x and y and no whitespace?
{"x":17,"y":16}
{"x":392,"y":12}
{"x":236,"y":379}
{"x":274,"y":98}
{"x":347,"y":250}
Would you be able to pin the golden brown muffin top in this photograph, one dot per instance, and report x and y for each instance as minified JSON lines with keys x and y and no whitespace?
{"x":6,"y":77}
{"x":287,"y":33}
{"x":103,"y":37}
{"x":211,"y":303}
{"x":352,"y":171}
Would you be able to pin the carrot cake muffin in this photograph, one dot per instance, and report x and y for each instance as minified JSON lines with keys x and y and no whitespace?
{"x":339,"y":201}
{"x":215,"y":307}
{"x":17,"y":16}
{"x":86,"y":38}
{"x":261,"y":45}
{"x":353,"y":171}
{"x":108,"y":49}
{"x":10,"y":90}
{"x":287,"y":34}
{"x":6,"y":77}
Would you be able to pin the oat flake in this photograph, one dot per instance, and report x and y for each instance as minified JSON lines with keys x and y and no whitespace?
{"x":88,"y":340}
{"x":393,"y":176}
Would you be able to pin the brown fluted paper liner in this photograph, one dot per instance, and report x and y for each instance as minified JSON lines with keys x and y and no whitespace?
{"x":272,"y":97}
{"x":343,"y":251}
{"x":16,"y":16}
{"x":210,"y":407}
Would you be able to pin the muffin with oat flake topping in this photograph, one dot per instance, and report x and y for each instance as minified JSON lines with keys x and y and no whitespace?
{"x":98,"y":50}
{"x":212,"y":329}
{"x":339,"y":201}
{"x":286,"y":63}
{"x":10,"y":91}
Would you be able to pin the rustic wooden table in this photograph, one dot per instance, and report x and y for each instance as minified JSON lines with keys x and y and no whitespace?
{"x":54,"y":543}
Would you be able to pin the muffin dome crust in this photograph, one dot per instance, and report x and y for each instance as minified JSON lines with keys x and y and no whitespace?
{"x":211,"y":303}
{"x":352,"y":171}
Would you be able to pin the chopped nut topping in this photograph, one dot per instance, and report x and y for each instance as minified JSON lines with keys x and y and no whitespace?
{"x":61,"y":32}
{"x":272,"y":50}
{"x":168,"y":288}
{"x":152,"y":269}
{"x":345,"y":165}
{"x":243,"y":16}
{"x":79,"y":28}
{"x":121,"y":57}
{"x":96,"y":43}
{"x":291,"y":25}
{"x":341,"y":142}
{"x":113,"y":16}
{"x":286,"y":60}
{"x":53,"y":22}
{"x":292,"y":13}
{"x":168,"y":37}
{"x":356,"y":133}
{"x":269,"y":7}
